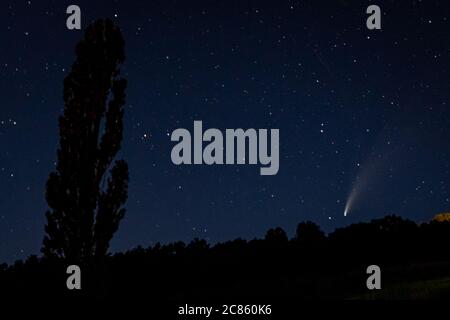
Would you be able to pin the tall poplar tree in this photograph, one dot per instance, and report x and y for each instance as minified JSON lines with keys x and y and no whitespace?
{"x":87,"y":191}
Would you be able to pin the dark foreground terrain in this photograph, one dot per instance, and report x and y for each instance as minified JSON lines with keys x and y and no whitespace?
{"x":414,"y":261}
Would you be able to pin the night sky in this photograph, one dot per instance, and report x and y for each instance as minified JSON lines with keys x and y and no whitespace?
{"x":357,"y":110}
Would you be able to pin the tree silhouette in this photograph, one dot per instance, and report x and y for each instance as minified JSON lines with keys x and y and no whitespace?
{"x":309,"y":233}
{"x":276,"y":236}
{"x":86,"y":205}
{"x":309,"y":266}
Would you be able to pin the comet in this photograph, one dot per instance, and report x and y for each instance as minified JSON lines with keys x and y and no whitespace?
{"x":370,"y":173}
{"x":347,"y":207}
{"x":351,"y":199}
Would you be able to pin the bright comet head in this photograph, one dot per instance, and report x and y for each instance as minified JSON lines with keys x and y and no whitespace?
{"x":350,"y":201}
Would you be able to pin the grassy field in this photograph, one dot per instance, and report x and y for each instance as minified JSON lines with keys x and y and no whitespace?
{"x":418,"y":290}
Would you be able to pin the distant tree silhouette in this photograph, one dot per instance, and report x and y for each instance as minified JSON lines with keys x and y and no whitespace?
{"x":309,"y":266}
{"x":276,"y":237}
{"x":309,"y":233}
{"x":86,"y":205}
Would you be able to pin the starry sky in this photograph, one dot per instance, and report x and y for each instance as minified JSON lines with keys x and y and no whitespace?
{"x":357,"y":110}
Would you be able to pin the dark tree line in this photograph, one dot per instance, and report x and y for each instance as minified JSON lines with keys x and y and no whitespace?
{"x":310,"y":265}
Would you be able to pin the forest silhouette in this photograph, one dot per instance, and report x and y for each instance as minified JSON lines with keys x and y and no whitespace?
{"x":87,"y":204}
{"x":414,"y":259}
